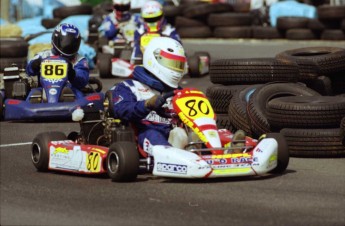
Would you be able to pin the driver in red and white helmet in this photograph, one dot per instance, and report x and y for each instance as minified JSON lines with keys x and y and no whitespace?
{"x":140,"y":100}
{"x":113,"y":24}
{"x":153,"y":23}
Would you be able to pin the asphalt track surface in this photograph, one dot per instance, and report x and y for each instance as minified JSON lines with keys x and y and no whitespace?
{"x":310,"y":192}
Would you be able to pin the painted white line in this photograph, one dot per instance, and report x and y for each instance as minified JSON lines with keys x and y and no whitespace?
{"x":16,"y":144}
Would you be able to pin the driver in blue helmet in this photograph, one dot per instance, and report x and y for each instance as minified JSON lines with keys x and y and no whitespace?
{"x":66,"y":42}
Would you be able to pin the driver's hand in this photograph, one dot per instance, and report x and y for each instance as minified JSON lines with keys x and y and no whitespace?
{"x":155,"y":102}
{"x":71,"y":72}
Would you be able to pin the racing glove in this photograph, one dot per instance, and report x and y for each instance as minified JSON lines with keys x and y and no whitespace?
{"x":71,"y":72}
{"x":155,"y":102}
{"x":36,"y":64}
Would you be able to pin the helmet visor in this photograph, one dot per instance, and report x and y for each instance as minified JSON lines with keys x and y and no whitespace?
{"x":171,"y":61}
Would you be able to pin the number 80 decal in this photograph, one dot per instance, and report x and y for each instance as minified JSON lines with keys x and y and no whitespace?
{"x":93,"y":162}
{"x":195,"y":107}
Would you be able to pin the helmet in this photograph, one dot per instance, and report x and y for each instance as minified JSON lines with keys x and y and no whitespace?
{"x":165,"y":58}
{"x":121,"y":9}
{"x":66,"y":39}
{"x":152,"y":11}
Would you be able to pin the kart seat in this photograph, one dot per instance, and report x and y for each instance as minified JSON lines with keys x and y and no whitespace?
{"x":67,"y":95}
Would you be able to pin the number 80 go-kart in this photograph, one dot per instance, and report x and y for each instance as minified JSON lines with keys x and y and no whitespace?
{"x":105,"y":145}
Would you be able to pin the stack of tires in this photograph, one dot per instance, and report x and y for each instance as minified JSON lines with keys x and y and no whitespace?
{"x":299,"y":93}
{"x":13,"y":51}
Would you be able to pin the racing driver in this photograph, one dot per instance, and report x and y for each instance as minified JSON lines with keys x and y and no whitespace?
{"x":65,"y":43}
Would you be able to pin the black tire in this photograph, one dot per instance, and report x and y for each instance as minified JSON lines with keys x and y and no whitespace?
{"x":283,"y":152}
{"x":256,"y":107}
{"x":223,"y":122}
{"x":315,"y":61}
{"x":331,"y":12}
{"x":109,"y":110}
{"x":13,"y":48}
{"x":342,"y":130}
{"x":193,"y":66}
{"x":260,"y":32}
{"x":202,"y":10}
{"x":252,"y":71}
{"x":220,"y":96}
{"x":181,"y":21}
{"x":40,"y":149}
{"x":232,"y":32}
{"x":50,"y":23}
{"x":66,"y":11}
{"x":314,"y":142}
{"x":104,"y":65}
{"x":94,"y":86}
{"x":286,"y":23}
{"x":300,"y":34}
{"x":1,"y":107}
{"x":230,"y":19}
{"x":332,"y":34}
{"x":322,"y":85}
{"x":194,"y":32}
{"x":305,"y":112}
{"x":237,"y":109}
{"x":123,"y":161}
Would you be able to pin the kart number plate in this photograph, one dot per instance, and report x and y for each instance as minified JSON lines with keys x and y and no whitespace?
{"x":53,"y":70}
{"x":145,"y":40}
{"x":195,"y":107}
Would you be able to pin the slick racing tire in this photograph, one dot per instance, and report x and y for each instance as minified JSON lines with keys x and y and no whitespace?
{"x":104,"y":64}
{"x":123,"y":161}
{"x":1,"y":107}
{"x":109,"y":104}
{"x":40,"y":149}
{"x":283,"y":152}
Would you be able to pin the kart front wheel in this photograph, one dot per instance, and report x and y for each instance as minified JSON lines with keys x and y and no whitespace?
{"x":283,"y":152}
{"x":123,"y":161}
{"x":104,"y":65}
{"x":40,"y":149}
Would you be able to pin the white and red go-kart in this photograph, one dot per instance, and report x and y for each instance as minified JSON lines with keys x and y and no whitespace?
{"x":117,"y":60}
{"x":117,"y":154}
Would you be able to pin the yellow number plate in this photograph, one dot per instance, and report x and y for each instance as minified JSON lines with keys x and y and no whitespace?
{"x":145,"y":40}
{"x":93,"y":162}
{"x":53,"y":70}
{"x":195,"y":107}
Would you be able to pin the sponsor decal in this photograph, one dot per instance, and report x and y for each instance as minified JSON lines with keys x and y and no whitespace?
{"x":60,"y":150}
{"x":53,"y":91}
{"x":93,"y":97}
{"x":171,"y":168}
{"x":14,"y":102}
{"x":61,"y":142}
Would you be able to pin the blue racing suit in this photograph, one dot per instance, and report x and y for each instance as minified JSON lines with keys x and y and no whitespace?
{"x":80,"y":66}
{"x":129,"y":99}
{"x":113,"y":28}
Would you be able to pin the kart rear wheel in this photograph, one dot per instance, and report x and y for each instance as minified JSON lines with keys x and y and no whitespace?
{"x":123,"y":161}
{"x":104,"y":64}
{"x":283,"y":152}
{"x":1,"y":107}
{"x":40,"y":149}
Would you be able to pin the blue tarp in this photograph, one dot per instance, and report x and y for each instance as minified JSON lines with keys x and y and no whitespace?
{"x":290,"y":8}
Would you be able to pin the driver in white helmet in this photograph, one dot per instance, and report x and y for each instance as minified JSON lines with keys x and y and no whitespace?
{"x":140,"y":100}
{"x":120,"y":24}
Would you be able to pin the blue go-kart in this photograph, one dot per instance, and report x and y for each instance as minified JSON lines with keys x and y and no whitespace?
{"x":50,"y":97}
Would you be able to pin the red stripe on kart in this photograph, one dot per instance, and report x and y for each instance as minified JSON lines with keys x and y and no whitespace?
{"x":207,"y":127}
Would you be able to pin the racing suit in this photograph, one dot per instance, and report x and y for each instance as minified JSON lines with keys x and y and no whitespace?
{"x":114,"y":29}
{"x":80,"y":66}
{"x":161,"y":28}
{"x":129,"y":99}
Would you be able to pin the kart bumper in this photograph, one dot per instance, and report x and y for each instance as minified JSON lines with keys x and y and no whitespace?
{"x":24,"y":110}
{"x":177,"y":163}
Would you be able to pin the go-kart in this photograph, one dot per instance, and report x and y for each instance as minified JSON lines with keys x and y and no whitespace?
{"x":106,"y":145}
{"x":49,"y":97}
{"x":121,"y":62}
